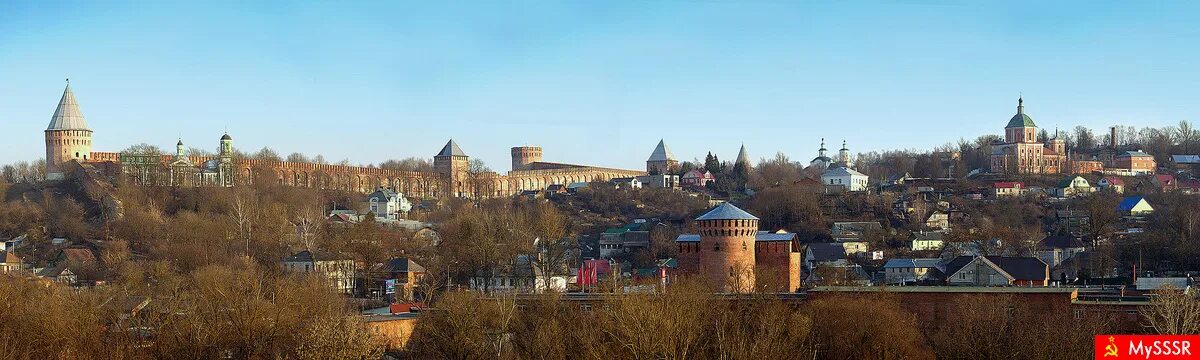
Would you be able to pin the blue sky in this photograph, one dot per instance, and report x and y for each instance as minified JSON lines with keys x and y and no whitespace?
{"x":591,"y":82}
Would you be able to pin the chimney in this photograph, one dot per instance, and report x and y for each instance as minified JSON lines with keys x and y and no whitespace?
{"x":1112,"y":137}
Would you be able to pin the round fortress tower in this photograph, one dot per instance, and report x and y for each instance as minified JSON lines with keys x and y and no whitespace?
{"x":68,"y":136}
{"x":727,"y":236}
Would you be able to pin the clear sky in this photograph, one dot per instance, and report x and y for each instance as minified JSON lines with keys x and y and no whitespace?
{"x":592,"y":82}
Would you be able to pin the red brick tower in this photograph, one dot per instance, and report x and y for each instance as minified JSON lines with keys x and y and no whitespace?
{"x":68,"y":137}
{"x":727,"y":236}
{"x":451,"y":163}
{"x":522,"y":156}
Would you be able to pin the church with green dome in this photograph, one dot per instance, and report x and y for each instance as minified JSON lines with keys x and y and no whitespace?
{"x":1021,"y":153}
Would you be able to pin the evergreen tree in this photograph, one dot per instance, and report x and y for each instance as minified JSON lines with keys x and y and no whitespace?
{"x":712,"y":164}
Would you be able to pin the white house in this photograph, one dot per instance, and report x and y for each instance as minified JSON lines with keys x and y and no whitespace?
{"x":846,"y":177}
{"x":627,"y":183}
{"x":1009,"y":189}
{"x":387,"y":204}
{"x":1073,"y":186}
{"x":927,"y":241}
{"x":938,"y":220}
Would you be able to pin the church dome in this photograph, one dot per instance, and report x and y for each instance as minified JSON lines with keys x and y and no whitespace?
{"x":226,"y":137}
{"x":1020,"y":119}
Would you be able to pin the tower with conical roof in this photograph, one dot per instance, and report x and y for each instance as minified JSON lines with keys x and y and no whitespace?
{"x":451,"y":163}
{"x":743,"y":158}
{"x":661,"y":160}
{"x":727,"y":236}
{"x":67,"y":137}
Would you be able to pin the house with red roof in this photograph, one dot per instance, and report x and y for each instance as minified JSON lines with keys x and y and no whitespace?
{"x":1112,"y":183}
{"x":1008,"y":188}
{"x":697,"y":179}
{"x":1166,"y":182}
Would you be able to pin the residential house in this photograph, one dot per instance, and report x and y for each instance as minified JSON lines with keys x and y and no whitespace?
{"x":12,"y":244}
{"x":846,"y":178}
{"x":1075,"y":221}
{"x":1164,"y":182}
{"x":575,"y":186}
{"x":625,"y":239}
{"x":1005,"y":189}
{"x":927,"y":241}
{"x":697,"y":179}
{"x":516,"y":276}
{"x":911,"y":271}
{"x":897,"y":179}
{"x":612,"y":242}
{"x":1111,"y":183}
{"x":406,"y":276}
{"x":1073,"y":186}
{"x":387,"y":204}
{"x":818,"y":254}
{"x":10,"y":262}
{"x":847,"y":231}
{"x":938,"y":220}
{"x":997,"y":271}
{"x":59,"y":274}
{"x":1058,"y":248}
{"x":853,"y":235}
{"x":1135,"y":162}
{"x":531,"y":194}
{"x":1085,"y":265}
{"x":339,"y":269}
{"x":556,"y":189}
{"x":76,"y":255}
{"x":1187,"y":163}
{"x":1134,"y":207}
{"x":662,"y":181}
{"x":628,"y":183}
{"x":1189,"y":186}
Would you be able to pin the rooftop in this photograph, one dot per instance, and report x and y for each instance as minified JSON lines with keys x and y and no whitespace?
{"x":726,"y":211}
{"x":661,"y":153}
{"x":1020,"y":119}
{"x":451,"y":149}
{"x":67,"y":116}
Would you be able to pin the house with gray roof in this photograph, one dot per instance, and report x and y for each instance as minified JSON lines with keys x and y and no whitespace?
{"x":819,"y":254}
{"x":338,"y":268}
{"x":911,"y":271}
{"x":997,"y":271}
{"x":386,"y":203}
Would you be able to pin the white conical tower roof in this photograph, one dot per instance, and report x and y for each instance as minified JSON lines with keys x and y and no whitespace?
{"x":742,"y":157}
{"x":67,"y":116}
{"x":661,"y":153}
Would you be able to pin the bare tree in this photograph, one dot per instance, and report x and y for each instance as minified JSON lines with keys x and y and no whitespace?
{"x":241,"y":208}
{"x":298,"y":157}
{"x":1173,"y":312}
